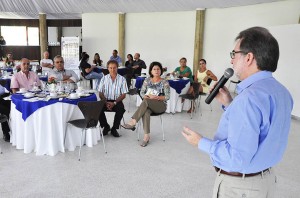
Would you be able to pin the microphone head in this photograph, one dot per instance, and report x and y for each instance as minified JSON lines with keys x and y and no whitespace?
{"x":228,"y":73}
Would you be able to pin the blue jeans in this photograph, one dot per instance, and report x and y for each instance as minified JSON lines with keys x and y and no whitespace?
{"x":95,"y":75}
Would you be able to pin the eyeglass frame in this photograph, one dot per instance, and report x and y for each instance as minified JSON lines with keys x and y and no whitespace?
{"x":232,"y":53}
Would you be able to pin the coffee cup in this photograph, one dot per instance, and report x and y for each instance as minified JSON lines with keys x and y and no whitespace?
{"x":22,"y":90}
{"x":73,"y":95}
{"x":53,"y":94}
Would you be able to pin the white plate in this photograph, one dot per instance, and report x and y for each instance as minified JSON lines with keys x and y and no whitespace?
{"x":92,"y":91}
{"x":72,"y":98}
{"x":84,"y":95}
{"x":21,"y":92}
{"x":29,"y":96}
{"x":185,"y":78}
{"x":175,"y":80}
{"x":34,"y":90}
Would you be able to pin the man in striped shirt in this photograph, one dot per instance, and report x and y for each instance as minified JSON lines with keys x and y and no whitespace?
{"x":112,"y":89}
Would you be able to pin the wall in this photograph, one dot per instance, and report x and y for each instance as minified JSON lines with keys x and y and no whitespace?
{"x":100,"y":34}
{"x":168,"y":36}
{"x":223,"y":25}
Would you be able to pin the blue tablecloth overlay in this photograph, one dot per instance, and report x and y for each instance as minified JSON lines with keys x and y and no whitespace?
{"x":28,"y":108}
{"x":121,"y":71}
{"x":178,"y":85}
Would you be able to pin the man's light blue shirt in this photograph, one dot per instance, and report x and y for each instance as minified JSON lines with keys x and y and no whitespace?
{"x":253,"y":131}
{"x":118,"y":59}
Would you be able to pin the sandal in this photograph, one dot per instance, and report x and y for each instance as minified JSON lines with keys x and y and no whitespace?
{"x":144,"y":143}
{"x":128,"y":126}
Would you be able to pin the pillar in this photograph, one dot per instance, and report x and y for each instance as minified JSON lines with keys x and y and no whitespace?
{"x":122,"y":36}
{"x":43,"y":33}
{"x":199,"y":36}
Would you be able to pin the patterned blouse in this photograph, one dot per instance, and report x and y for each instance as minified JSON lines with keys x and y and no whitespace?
{"x":162,"y":87}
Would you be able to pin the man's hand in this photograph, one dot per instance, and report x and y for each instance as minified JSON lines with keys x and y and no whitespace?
{"x":110,"y":105}
{"x":135,"y":67}
{"x":191,"y":136}
{"x":223,"y":96}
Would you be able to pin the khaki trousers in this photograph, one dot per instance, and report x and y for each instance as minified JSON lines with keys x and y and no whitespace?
{"x":259,"y":186}
{"x":145,"y":109}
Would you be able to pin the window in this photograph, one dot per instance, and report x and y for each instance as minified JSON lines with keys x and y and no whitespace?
{"x":20,"y":35}
{"x":14,"y":35}
{"x":33,"y":36}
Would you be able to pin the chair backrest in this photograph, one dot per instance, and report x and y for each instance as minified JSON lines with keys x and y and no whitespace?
{"x":3,"y":118}
{"x":196,"y":87}
{"x":91,"y":111}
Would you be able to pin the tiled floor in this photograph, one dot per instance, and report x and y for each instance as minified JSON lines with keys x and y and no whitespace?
{"x":162,"y":169}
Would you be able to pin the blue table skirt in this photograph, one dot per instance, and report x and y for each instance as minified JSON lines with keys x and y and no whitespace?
{"x":28,"y":108}
{"x":121,"y":71}
{"x":178,"y":85}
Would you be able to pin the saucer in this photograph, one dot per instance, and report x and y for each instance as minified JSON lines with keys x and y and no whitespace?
{"x":185,"y":78}
{"x":31,"y":96}
{"x":72,"y":98}
{"x":34,"y":90}
{"x":21,"y":92}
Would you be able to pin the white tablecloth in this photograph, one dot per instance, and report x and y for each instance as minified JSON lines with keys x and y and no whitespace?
{"x":43,"y":132}
{"x":171,"y":104}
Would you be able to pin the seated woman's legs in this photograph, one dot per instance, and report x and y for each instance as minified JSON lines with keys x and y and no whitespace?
{"x":95,"y":75}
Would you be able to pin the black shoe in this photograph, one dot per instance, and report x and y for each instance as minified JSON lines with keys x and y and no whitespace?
{"x":6,"y":137}
{"x":114,"y":132}
{"x":106,"y":130}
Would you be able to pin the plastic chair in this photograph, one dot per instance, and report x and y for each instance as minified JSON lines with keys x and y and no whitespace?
{"x":3,"y":118}
{"x":131,"y":92}
{"x":91,"y":112}
{"x":192,"y":98}
{"x":152,"y":114}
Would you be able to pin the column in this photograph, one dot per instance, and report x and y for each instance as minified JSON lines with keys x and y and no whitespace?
{"x":43,"y":33}
{"x":122,"y":36}
{"x":199,"y":35}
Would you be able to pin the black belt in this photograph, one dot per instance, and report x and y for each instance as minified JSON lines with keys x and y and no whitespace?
{"x":237,"y":174}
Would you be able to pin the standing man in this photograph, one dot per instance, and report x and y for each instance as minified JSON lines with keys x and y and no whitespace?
{"x":112,"y":90}
{"x":25,"y":78}
{"x":253,"y":131}
{"x":116,"y":57}
{"x":46,"y":63}
{"x":138,"y":65}
{"x":60,"y":73}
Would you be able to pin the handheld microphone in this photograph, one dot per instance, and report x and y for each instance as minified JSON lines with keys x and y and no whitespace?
{"x":227,"y":74}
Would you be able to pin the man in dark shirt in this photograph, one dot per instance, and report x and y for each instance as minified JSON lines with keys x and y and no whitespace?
{"x":138,"y":65}
{"x":4,"y":110}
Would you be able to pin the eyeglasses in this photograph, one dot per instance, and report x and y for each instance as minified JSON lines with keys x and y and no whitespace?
{"x":232,"y":54}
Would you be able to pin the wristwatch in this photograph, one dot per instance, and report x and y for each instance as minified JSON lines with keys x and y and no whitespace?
{"x":115,"y":103}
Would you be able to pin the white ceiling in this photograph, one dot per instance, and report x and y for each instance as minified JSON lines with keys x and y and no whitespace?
{"x":72,"y":9}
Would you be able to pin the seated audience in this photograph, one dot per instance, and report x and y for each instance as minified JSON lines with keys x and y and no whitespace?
{"x":202,"y":77}
{"x":138,"y":65}
{"x":5,"y":110}
{"x":97,"y":61}
{"x":183,"y":70}
{"x":112,"y":90}
{"x":46,"y":63}
{"x":25,"y":78}
{"x":9,"y":61}
{"x":155,"y":93}
{"x":60,"y":73}
{"x":116,"y":57}
{"x":128,"y":65}
{"x":2,"y":42}
{"x":87,"y":70}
